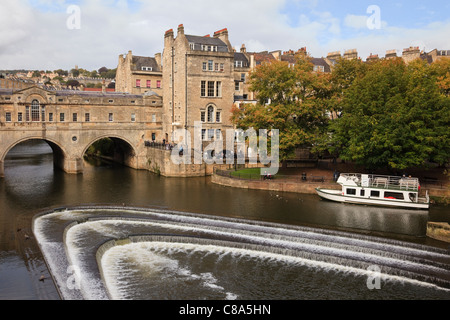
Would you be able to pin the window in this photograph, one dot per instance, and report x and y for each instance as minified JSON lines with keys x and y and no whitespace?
{"x":238,"y":64}
{"x":61,"y":117}
{"x":375,"y":194}
{"x":205,"y":66}
{"x":237,"y":86}
{"x":222,"y":67}
{"x":138,"y":83}
{"x":218,"y":89}
{"x":218,"y":117}
{"x":211,"y":88}
{"x":394,"y":195}
{"x":243,"y":77}
{"x":158,"y":84}
{"x":363,"y":192}
{"x":210,"y":114}
{"x":35,"y":110}
{"x":203,"y":89}
{"x":216,"y":67}
{"x":147,"y":69}
{"x":214,"y":89}
{"x":75,"y":117}
{"x":19,"y":117}
{"x":149,"y":83}
{"x":210,"y":65}
{"x":8,"y":117}
{"x":351,"y":192}
{"x":319,"y":68}
{"x":87,"y":117}
{"x":209,"y":48}
{"x":27,"y":114}
{"x":153,"y":117}
{"x":203,"y":116}
{"x":111,"y":117}
{"x":43,"y":113}
{"x":50,"y":117}
{"x":211,"y":134}
{"x":218,"y":134}
{"x":203,"y":134}
{"x":133,"y":117}
{"x":192,"y":45}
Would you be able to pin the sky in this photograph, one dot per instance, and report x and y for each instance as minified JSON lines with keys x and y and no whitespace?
{"x":90,"y":34}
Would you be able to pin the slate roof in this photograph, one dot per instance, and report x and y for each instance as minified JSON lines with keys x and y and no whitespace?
{"x":239,"y":56}
{"x":321,"y":62}
{"x":209,"y":41}
{"x":139,"y":62}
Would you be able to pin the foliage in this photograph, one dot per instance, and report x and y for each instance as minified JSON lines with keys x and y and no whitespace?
{"x":103,"y":147}
{"x":290,"y":99}
{"x":73,"y":83}
{"x":394,"y":115}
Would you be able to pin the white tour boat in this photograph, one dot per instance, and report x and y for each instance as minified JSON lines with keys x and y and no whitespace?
{"x":368,"y":189}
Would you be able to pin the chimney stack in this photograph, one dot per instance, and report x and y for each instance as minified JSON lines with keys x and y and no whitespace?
{"x":180,"y":29}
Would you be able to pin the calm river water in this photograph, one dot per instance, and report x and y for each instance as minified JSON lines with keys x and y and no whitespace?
{"x":191,"y":239}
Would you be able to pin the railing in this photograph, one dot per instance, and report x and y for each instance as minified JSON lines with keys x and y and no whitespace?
{"x":380,"y":181}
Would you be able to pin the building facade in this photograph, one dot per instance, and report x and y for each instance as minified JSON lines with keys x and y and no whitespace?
{"x":198,"y":84}
{"x":137,"y":75}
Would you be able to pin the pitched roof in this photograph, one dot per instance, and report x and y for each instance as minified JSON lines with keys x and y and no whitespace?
{"x":263,"y":57}
{"x":239,"y":56}
{"x":139,"y":62}
{"x":321,"y":62}
{"x":198,"y":41}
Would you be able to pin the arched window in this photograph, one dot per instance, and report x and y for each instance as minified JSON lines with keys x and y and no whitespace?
{"x":35,"y":112}
{"x":211,"y":114}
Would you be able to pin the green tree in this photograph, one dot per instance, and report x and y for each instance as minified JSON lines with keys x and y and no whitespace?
{"x":394,"y":116}
{"x":290,"y":99}
{"x":75,"y":72}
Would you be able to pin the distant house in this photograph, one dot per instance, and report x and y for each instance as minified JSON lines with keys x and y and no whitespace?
{"x":137,"y":75}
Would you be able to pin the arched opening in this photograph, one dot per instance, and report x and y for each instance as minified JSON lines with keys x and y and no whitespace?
{"x":33,"y":155}
{"x":111,"y":149}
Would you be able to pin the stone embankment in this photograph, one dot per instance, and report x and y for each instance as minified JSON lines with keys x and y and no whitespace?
{"x":439,"y":231}
{"x":273,"y":185}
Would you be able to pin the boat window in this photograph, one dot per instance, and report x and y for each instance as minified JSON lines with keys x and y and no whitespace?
{"x":351,"y":191}
{"x":412,"y":197}
{"x":394,"y":195}
{"x":374,"y":193}
{"x":363,"y":192}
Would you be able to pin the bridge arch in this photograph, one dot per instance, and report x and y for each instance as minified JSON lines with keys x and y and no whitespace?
{"x":124,"y":151}
{"x":59,"y":152}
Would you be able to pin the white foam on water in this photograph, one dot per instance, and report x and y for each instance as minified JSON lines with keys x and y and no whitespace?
{"x":252,"y":232}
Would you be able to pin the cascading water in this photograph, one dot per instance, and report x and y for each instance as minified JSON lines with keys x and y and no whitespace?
{"x":131,"y":253}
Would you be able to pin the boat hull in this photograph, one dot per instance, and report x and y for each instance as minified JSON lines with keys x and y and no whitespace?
{"x":337,"y":196}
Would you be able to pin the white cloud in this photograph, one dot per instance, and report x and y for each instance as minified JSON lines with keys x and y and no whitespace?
{"x":356,"y":22}
{"x":32,"y":38}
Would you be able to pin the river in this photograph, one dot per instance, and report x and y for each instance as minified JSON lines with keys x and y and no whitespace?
{"x":191,"y":239}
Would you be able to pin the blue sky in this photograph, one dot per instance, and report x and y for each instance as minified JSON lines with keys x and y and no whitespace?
{"x":34,"y":33}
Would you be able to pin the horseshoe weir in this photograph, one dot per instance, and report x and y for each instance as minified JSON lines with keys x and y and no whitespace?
{"x":132,"y":253}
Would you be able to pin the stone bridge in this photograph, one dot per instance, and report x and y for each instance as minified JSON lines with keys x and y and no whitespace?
{"x":71,"y":121}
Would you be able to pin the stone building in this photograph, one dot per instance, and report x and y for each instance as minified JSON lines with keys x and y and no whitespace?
{"x":198,"y":84}
{"x":411,"y":54}
{"x":437,"y":55}
{"x":51,"y":108}
{"x":137,"y":75}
